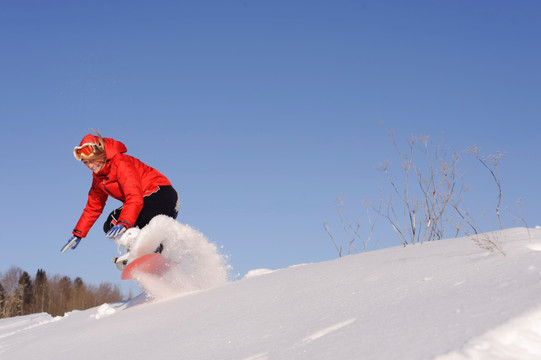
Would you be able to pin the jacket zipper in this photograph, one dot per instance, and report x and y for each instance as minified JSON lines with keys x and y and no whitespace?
{"x":105,"y":187}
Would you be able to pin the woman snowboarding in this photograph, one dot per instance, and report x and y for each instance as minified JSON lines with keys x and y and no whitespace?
{"x":144,"y":191}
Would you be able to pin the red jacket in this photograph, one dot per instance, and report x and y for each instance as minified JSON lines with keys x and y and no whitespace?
{"x":123,"y":177}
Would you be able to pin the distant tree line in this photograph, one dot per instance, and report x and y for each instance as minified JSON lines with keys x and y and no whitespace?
{"x":20,"y":294}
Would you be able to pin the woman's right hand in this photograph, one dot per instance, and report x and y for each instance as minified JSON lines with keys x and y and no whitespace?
{"x":72,"y":243}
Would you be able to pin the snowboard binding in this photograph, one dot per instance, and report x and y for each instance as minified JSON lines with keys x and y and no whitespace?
{"x":122,"y":261}
{"x":127,"y":241}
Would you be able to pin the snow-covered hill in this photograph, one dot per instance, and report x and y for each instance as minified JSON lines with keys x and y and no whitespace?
{"x":443,"y":300}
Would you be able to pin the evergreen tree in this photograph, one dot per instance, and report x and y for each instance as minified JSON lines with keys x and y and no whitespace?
{"x":65,"y":294}
{"x":25,"y":294}
{"x":41,"y":292}
{"x":79,"y":294}
{"x":2,"y":300}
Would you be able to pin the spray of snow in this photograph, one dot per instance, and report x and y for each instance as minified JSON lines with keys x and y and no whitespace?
{"x":196,"y":263}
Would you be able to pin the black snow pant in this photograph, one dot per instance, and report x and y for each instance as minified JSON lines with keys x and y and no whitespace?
{"x":165,"y":201}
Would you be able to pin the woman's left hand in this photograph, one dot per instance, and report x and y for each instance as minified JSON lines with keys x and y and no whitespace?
{"x":115,"y":231}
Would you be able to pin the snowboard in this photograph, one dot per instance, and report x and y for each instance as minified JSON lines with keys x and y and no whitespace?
{"x":152,"y":264}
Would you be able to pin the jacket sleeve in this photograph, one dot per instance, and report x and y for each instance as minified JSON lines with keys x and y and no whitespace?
{"x":93,"y":209}
{"x":129,"y":181}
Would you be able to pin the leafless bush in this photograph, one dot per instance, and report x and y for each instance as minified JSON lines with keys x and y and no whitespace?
{"x":428,"y":185}
{"x":489,"y":242}
{"x":491,"y":163}
{"x":426,"y":198}
{"x":518,"y":217}
{"x":352,"y":229}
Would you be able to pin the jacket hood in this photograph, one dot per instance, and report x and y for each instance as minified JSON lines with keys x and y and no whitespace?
{"x":112,"y":146}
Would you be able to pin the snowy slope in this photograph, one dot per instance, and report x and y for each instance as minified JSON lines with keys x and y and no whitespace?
{"x":442,"y":300}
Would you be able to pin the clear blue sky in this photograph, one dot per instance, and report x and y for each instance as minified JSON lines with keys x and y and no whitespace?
{"x":261,"y":113}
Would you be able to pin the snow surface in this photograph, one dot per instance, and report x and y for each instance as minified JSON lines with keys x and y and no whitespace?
{"x":444,"y":300}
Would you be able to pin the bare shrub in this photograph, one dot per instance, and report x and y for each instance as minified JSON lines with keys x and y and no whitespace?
{"x":489,"y":242}
{"x":352,"y":229}
{"x":491,"y":163}
{"x":425,"y":192}
{"x":426,"y":197}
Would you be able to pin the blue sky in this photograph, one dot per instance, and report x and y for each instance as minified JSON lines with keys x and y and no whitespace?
{"x":261,"y":113}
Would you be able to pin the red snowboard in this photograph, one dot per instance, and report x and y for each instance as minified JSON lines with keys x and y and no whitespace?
{"x":153,"y":264}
